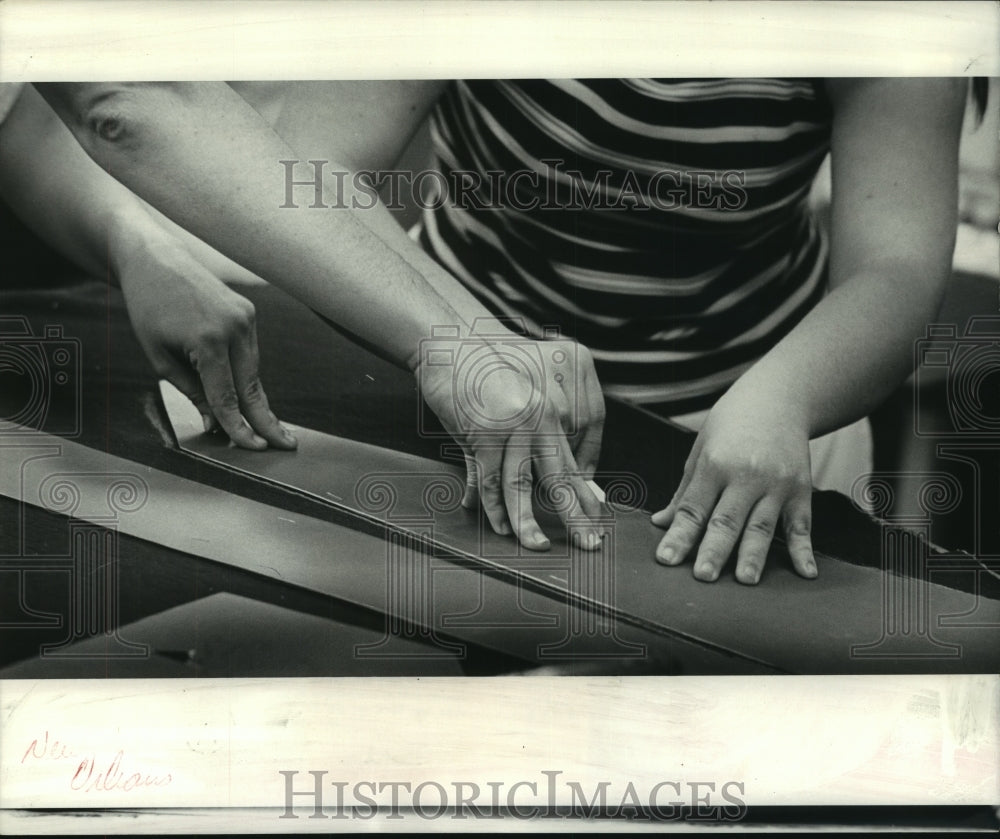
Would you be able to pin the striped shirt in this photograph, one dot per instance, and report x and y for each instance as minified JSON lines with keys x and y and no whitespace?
{"x":662,"y":223}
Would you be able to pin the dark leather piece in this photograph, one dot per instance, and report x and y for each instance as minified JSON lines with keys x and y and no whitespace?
{"x":833,"y":616}
{"x":224,"y":635}
{"x":464,"y":604}
{"x":317,"y":379}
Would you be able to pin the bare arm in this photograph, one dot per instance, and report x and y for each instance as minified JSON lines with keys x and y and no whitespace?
{"x":200,"y":154}
{"x":895,"y":193}
{"x":196,"y":332}
{"x":209,"y":161}
{"x":356,"y":125}
{"x":359,"y":126}
{"x":57,"y":191}
{"x":895,"y":152}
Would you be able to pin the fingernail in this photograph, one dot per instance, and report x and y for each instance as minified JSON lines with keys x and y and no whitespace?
{"x":538,"y":539}
{"x":504,"y":529}
{"x":593,"y":541}
{"x":666,"y":555}
{"x":258,"y":440}
{"x":811,"y":569}
{"x":288,"y":437}
{"x":207,"y":420}
{"x":749,"y":575}
{"x":707,"y":573}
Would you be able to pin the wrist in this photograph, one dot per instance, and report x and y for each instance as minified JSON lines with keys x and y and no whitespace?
{"x":132,"y":234}
{"x":759,"y":396}
{"x":440,"y":347}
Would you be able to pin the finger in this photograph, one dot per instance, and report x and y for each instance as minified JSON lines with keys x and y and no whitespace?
{"x":489,"y":474}
{"x":188,"y":383}
{"x":556,"y":482}
{"x":212,"y":363}
{"x":245,"y":359}
{"x":588,"y":449}
{"x":664,"y":517}
{"x":756,"y":541}
{"x":797,"y":517}
{"x":470,"y":498}
{"x":689,"y":519}
{"x":722,"y":531}
{"x":589,"y":502}
{"x":516,"y":470}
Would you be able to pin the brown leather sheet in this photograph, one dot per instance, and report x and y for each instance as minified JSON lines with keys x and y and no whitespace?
{"x":462,"y":605}
{"x":225,"y":635}
{"x":851,"y":619}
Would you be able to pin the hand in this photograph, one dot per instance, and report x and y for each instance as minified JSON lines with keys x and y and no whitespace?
{"x":200,"y":336}
{"x":574,"y":389}
{"x":749,"y":467}
{"x":509,"y":404}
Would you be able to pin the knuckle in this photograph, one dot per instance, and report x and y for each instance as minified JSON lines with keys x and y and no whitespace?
{"x":717,"y":463}
{"x":690,"y":513}
{"x":225,"y":400}
{"x":246,"y":308}
{"x":491,"y":482}
{"x":237,"y":322}
{"x":799,"y":526}
{"x":724,"y":522}
{"x":518,"y":483}
{"x":761,"y":527}
{"x":253,"y":390}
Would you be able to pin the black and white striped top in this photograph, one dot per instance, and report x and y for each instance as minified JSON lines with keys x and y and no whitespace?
{"x":663,"y":223}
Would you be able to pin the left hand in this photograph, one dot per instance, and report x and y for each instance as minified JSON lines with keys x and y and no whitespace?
{"x":748,"y":469}
{"x":199,"y":335}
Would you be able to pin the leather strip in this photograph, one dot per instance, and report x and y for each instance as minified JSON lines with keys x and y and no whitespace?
{"x":851,"y":619}
{"x":465,"y":604}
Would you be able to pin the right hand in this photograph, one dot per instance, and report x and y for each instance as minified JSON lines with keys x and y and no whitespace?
{"x":201,"y":336}
{"x":512,"y":428}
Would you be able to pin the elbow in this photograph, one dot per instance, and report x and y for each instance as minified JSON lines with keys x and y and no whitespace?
{"x":102,"y":117}
{"x":111,"y":123}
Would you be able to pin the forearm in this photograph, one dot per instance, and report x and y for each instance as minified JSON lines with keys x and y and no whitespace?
{"x":377,"y":218}
{"x":894,"y":151}
{"x":848,"y":354}
{"x":216,"y":263}
{"x":207,"y":160}
{"x":365,"y":126}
